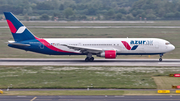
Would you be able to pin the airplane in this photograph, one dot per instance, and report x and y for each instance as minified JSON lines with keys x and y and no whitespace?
{"x":108,"y":48}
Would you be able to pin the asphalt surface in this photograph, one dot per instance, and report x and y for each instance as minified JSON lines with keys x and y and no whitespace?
{"x":90,"y":98}
{"x":81,"y":62}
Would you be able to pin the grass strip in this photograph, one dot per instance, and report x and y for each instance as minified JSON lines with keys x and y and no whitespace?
{"x":40,"y":77}
{"x":87,"y":92}
{"x":65,"y":92}
{"x":75,"y":77}
{"x":165,"y":82}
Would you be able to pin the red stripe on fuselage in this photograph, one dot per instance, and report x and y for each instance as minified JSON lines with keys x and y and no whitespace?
{"x":128,"y":47}
{"x":48,"y":45}
{"x":11,"y":26}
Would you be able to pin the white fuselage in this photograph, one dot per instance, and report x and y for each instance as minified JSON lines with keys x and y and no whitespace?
{"x":144,"y":45}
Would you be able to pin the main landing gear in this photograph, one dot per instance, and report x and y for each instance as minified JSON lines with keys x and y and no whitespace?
{"x":160,"y":59}
{"x":89,"y":58}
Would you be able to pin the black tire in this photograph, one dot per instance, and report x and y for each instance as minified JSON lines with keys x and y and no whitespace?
{"x":87,"y":59}
{"x":91,"y":59}
{"x":160,"y":59}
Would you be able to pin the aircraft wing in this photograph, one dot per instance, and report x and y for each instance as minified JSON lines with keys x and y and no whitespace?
{"x":83,"y":49}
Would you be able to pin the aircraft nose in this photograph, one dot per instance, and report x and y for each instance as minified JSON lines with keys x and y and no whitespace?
{"x":172,"y":47}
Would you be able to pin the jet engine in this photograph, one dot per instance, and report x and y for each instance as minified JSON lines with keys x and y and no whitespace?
{"x":108,"y":54}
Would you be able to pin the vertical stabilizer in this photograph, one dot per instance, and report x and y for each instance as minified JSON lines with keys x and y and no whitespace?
{"x":18,"y":30}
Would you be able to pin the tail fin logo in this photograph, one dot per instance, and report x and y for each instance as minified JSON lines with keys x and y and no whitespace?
{"x":128,"y":47}
{"x":21,"y":30}
{"x":13,"y":28}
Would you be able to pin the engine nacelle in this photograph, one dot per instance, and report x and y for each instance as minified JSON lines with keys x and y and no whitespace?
{"x":108,"y":54}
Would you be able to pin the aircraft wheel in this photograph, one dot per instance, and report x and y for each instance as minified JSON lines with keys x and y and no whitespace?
{"x":160,"y":59}
{"x":87,"y":59}
{"x":91,"y":59}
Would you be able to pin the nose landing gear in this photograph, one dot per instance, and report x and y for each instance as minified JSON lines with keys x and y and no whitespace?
{"x":160,"y":59}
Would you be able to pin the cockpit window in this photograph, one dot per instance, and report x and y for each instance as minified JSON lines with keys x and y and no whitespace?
{"x":167,"y":43}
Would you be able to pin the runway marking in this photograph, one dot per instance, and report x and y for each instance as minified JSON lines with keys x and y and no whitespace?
{"x":21,"y":96}
{"x":33,"y":99}
{"x":168,"y":63}
{"x":119,"y":96}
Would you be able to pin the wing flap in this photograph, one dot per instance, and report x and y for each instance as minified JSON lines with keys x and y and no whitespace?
{"x":84,"y":49}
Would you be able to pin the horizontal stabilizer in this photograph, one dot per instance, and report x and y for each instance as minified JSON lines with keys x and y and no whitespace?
{"x":17,"y":44}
